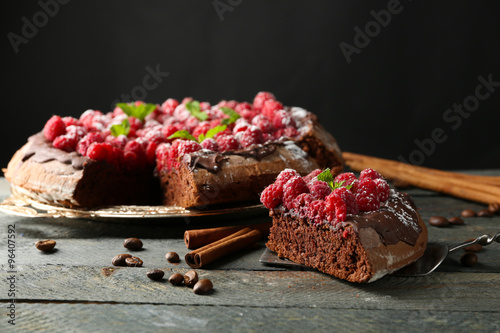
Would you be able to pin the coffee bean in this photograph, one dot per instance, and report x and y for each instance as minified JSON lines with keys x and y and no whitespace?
{"x":494,"y":208}
{"x":468,"y":259}
{"x":484,"y":213}
{"x":203,"y":286}
{"x":455,"y":220}
{"x":45,"y":245}
{"x":172,"y":257}
{"x":119,"y":260}
{"x":133,"y":244}
{"x":155,"y":274}
{"x":468,"y":213}
{"x":190,"y":278}
{"x":176,"y":279}
{"x":438,"y":221}
{"x":133,"y":262}
{"x":473,"y":247}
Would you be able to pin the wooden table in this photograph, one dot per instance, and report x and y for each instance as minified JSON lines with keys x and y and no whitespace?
{"x":73,"y":289}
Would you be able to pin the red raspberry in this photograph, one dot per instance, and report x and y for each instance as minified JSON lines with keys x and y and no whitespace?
{"x":187,"y":147}
{"x":290,"y":132}
{"x":248,"y":115}
{"x":173,"y":155}
{"x":370,"y":173}
{"x":251,"y":136}
{"x":101,"y":152}
{"x":151,"y":152}
{"x":93,"y":120}
{"x":169,"y":106}
{"x":241,"y":125}
{"x":119,"y":141}
{"x":301,"y":203}
{"x":68,"y":121}
{"x":244,"y":106}
{"x":65,"y":143}
{"x":135,"y":147}
{"x":312,"y":176}
{"x":135,"y":123}
{"x":367,"y":195}
{"x":292,"y":188}
{"x":383,"y":189}
{"x":342,"y":202}
{"x":210,"y":144}
{"x":282,"y":119}
{"x":162,"y":156}
{"x":270,"y":107}
{"x":228,"y":104}
{"x":169,"y":130}
{"x":227,"y":142}
{"x":285,"y":176}
{"x":346,"y":179}
{"x":263,"y":123}
{"x":87,"y":140}
{"x":154,"y":135}
{"x":319,"y":189}
{"x":118,"y":112}
{"x":202,"y":128}
{"x":191,"y":123}
{"x":53,"y":128}
{"x":260,"y":98}
{"x":272,"y":196}
{"x":316,"y":212}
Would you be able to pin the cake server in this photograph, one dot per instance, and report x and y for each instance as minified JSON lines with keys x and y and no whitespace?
{"x":434,"y":255}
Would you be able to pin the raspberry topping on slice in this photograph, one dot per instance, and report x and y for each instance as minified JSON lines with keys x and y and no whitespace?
{"x":187,"y":146}
{"x":383,"y":189}
{"x":283,"y":119}
{"x":261,"y":98}
{"x":101,"y":152}
{"x":312,"y":175}
{"x":227,"y":142}
{"x":340,"y":203}
{"x":370,"y":173}
{"x":87,"y":140}
{"x":53,"y":128}
{"x":65,"y":143}
{"x":270,"y":107}
{"x":285,"y":176}
{"x":272,"y":196}
{"x":319,"y":189}
{"x":367,"y":195}
{"x":210,"y":144}
{"x":347,"y":179}
{"x":293,"y":187}
{"x":251,"y":136}
{"x":263,"y":123}
{"x":301,"y":204}
{"x":317,"y":212}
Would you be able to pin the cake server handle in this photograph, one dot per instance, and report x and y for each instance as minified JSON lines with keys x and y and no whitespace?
{"x":482,"y":240}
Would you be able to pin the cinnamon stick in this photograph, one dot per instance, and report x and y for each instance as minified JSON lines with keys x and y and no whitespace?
{"x":230,"y":244}
{"x":201,"y":237}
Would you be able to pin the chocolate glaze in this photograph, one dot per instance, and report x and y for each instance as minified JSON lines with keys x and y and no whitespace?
{"x":40,"y":150}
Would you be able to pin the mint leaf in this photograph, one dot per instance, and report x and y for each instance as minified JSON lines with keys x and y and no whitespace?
{"x":194,"y":108}
{"x":137,"y":111}
{"x":339,"y":185}
{"x":233,"y":115}
{"x":119,"y":129}
{"x":183,"y":134}
{"x":326,"y":176}
{"x":212,"y":132}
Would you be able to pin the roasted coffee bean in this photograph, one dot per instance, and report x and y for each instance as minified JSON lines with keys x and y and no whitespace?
{"x":484,"y":213}
{"x":133,"y":244}
{"x":203,"y":286}
{"x":133,"y":262}
{"x":119,"y":260}
{"x":494,"y":208}
{"x":155,"y":274}
{"x":468,"y":259}
{"x":172,"y":257}
{"x":468,"y":213}
{"x":190,"y":278}
{"x":45,"y":245}
{"x":438,"y":221}
{"x":176,"y":279}
{"x":456,"y":220}
{"x":473,"y":247}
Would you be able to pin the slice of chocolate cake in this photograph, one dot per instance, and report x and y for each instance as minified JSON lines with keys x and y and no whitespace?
{"x":354,"y":229}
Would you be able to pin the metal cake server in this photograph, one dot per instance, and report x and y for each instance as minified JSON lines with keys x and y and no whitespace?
{"x":434,"y":255}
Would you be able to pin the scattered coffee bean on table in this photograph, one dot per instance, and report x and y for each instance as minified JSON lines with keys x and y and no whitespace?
{"x":439,"y":221}
{"x":133,"y":262}
{"x":473,"y":247}
{"x":172,"y":257}
{"x":155,"y":274}
{"x":190,"y":278}
{"x":119,"y":260}
{"x":45,"y":245}
{"x":132,"y":243}
{"x":468,"y":259}
{"x":456,"y":220}
{"x":203,"y":286}
{"x":176,"y":279}
{"x":484,"y":213}
{"x":468,"y":213}
{"x":494,"y":208}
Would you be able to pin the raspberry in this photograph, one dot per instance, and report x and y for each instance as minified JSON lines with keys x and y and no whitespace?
{"x":210,"y":144}
{"x":154,"y":135}
{"x":248,"y":115}
{"x":169,"y":106}
{"x":369,"y":173}
{"x":101,"y":152}
{"x":301,"y":203}
{"x":117,"y":111}
{"x":65,"y":143}
{"x":54,"y":127}
{"x":270,"y":107}
{"x":312,"y":175}
{"x":227,"y":142}
{"x":168,"y":130}
{"x":260,"y":98}
{"x":285,"y":176}
{"x":240,"y":125}
{"x":316,"y":212}
{"x":272,"y":196}
{"x":244,"y":106}
{"x":251,"y":136}
{"x":87,"y":140}
{"x":93,"y":120}
{"x":191,"y":123}
{"x":367,"y":195}
{"x":162,"y":156}
{"x":180,"y":113}
{"x":340,"y":203}
{"x":135,"y":147}
{"x":263,"y":123}
{"x":292,"y":188}
{"x":346,"y":179}
{"x":119,"y":141}
{"x":187,"y":146}
{"x":228,"y":104}
{"x":135,"y":123}
{"x":290,"y":132}
{"x":383,"y":189}
{"x":319,"y":189}
{"x":282,"y":119}
{"x":173,"y":155}
{"x":151,"y":152}
{"x":68,"y":121}
{"x":202,"y":128}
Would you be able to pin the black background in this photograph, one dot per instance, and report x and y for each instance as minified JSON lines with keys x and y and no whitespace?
{"x":394,"y":91}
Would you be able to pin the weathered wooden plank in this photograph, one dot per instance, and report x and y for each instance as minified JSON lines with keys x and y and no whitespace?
{"x":61,"y":317}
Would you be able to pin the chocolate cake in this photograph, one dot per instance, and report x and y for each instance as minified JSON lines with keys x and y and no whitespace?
{"x":187,"y":154}
{"x":354,"y":229}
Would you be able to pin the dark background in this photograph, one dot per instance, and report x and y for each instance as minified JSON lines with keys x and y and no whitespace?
{"x":395,"y":91}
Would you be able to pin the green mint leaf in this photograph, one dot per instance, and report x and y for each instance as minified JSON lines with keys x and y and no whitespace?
{"x":183,"y":134}
{"x":338,"y":185}
{"x":326,"y":176}
{"x":212,"y":132}
{"x":194,"y":108}
{"x":119,"y":129}
{"x":233,"y":115}
{"x":137,"y":111}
